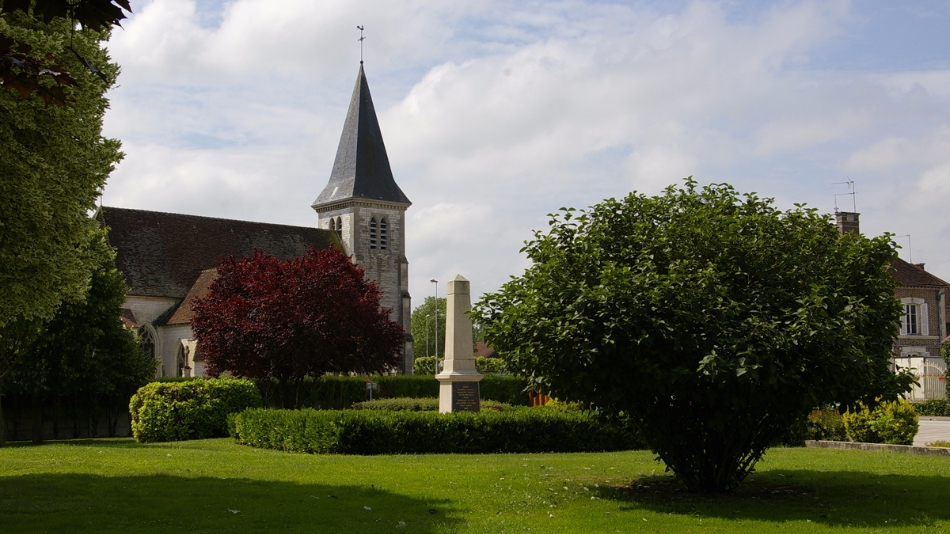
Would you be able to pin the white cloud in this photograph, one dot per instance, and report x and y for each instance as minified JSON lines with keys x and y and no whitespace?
{"x":495,"y":114}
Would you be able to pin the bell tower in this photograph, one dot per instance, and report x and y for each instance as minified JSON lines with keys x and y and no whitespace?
{"x":366,"y":209}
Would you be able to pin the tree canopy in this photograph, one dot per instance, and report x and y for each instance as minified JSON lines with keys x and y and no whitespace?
{"x":31,"y":72}
{"x":53,"y":163}
{"x":424,"y":330}
{"x":287,"y":320}
{"x":83,"y":354}
{"x":712,"y":319}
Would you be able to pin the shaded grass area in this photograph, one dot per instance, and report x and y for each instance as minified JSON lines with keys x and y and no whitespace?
{"x":216,"y":486}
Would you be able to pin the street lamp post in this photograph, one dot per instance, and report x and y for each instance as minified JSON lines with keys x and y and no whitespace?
{"x":436,"y":282}
{"x":427,"y":335}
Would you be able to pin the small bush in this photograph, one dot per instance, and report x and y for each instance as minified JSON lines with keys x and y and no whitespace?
{"x":487,"y":365}
{"x":424,"y":365}
{"x":193,"y":409}
{"x":939,"y":443}
{"x":564,"y":406}
{"x":933,"y":408}
{"x":426,"y":404}
{"x":826,"y":424}
{"x":892,"y":422}
{"x":408,"y":432}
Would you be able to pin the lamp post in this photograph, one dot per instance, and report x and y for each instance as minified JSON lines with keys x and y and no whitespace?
{"x":427,"y":335}
{"x":436,"y":282}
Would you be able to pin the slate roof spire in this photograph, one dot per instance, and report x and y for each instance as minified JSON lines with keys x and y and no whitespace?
{"x":361,"y":169}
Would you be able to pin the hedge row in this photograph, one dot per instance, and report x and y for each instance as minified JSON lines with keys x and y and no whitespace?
{"x":933,"y":408}
{"x":407,"y":432}
{"x":341,"y":392}
{"x":426,"y":404}
{"x":193,"y":409}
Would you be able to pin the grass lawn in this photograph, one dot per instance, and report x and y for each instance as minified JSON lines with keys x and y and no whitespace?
{"x":116,"y":485}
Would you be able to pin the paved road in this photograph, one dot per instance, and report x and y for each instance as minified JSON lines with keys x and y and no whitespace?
{"x":933,"y":429}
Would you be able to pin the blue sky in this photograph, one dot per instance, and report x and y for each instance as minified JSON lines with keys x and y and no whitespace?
{"x":497,"y":113}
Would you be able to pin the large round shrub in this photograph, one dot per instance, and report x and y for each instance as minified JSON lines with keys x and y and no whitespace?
{"x":715,"y":320}
{"x":195,"y":409}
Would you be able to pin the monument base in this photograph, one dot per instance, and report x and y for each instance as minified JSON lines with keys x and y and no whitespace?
{"x":459,"y":392}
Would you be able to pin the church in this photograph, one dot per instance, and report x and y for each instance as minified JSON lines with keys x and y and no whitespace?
{"x":169,"y":259}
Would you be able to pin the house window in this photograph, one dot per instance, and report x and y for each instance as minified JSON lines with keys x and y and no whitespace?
{"x":915,"y":321}
{"x":372,"y":233}
{"x":383,"y":237}
{"x":911,"y":320}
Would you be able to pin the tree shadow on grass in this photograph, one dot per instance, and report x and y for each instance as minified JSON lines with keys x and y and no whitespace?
{"x":831,"y":498}
{"x":162,"y":503}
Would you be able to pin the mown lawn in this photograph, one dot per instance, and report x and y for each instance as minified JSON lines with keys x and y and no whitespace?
{"x":217,"y":486}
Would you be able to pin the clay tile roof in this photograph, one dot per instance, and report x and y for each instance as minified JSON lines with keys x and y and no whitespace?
{"x":183,"y":313}
{"x":128,"y":318}
{"x":361,"y":168}
{"x":908,"y":274}
{"x":482,"y":349}
{"x":162,"y":254}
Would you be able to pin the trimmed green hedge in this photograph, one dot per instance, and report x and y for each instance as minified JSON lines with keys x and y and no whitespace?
{"x":191,"y":409}
{"x":407,"y":432}
{"x":426,"y":404}
{"x":933,"y":408}
{"x":341,"y":392}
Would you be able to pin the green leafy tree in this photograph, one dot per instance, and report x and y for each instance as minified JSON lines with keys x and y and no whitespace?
{"x":53,"y":163}
{"x":713,"y":320}
{"x":421,"y":325}
{"x":84,"y":356}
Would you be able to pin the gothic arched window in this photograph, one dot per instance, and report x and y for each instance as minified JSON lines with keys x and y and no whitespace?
{"x":383,"y":234}
{"x":372,"y":233}
{"x":339,"y":229}
{"x":147,"y":342}
{"x":333,"y":225}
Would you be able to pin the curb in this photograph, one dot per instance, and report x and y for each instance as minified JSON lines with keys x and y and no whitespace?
{"x":857,"y":446}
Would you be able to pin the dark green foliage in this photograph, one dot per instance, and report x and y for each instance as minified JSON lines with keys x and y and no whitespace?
{"x":892,"y":422}
{"x":426,"y":404}
{"x":84,"y":365}
{"x":408,"y":432}
{"x":196,"y":409}
{"x":933,"y":407}
{"x":713,"y":319}
{"x":333,"y":392}
{"x":826,"y":424}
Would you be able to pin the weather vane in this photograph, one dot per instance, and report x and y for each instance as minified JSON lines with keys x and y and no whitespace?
{"x":360,"y":28}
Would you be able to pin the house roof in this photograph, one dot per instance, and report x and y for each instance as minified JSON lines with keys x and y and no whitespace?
{"x":908,"y":274}
{"x":482,"y":349}
{"x":162,"y":254}
{"x":183,"y":313}
{"x":361,"y":169}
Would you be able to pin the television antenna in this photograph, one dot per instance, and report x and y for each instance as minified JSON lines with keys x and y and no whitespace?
{"x":851,"y":191}
{"x":910,"y":250}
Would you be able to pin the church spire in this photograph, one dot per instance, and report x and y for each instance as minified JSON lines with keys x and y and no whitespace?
{"x":361,"y":169}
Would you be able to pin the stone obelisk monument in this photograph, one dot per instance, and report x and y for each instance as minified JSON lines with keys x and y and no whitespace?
{"x":458,"y":381}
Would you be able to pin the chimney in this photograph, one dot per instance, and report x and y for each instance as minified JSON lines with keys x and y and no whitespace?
{"x":847,"y":222}
{"x":921,"y":265}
